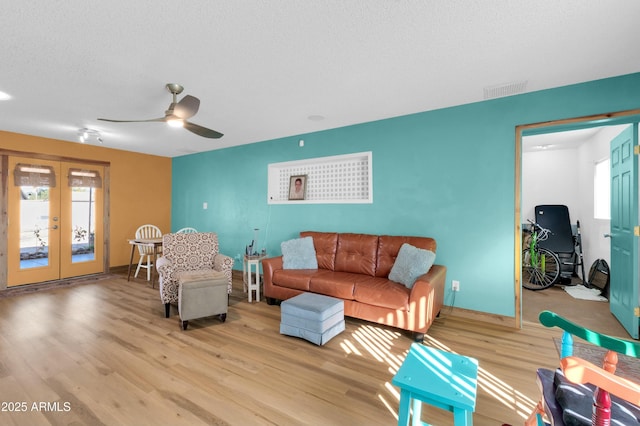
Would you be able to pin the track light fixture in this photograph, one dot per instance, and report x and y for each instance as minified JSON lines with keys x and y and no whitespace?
{"x":87,"y":135}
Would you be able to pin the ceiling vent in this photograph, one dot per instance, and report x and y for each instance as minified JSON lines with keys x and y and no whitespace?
{"x":507,"y":89}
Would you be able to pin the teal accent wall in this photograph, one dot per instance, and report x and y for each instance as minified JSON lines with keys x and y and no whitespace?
{"x":448,"y":174}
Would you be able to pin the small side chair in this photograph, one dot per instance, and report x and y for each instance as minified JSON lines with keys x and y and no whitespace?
{"x":147,"y":231}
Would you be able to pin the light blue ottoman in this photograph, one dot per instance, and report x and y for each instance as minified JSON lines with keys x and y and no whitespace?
{"x":312,"y":317}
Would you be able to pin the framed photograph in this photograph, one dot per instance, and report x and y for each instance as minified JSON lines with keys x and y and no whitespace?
{"x":298,"y":187}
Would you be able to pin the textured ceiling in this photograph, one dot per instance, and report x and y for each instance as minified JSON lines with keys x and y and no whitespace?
{"x":261,"y":68}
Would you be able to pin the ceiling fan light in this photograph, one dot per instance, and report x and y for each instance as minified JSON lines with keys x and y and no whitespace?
{"x":175,"y":122}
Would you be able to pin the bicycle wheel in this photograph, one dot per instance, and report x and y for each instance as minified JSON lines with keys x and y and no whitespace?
{"x":541,"y":271}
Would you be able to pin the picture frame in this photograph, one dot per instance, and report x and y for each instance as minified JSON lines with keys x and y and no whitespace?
{"x":298,"y":187}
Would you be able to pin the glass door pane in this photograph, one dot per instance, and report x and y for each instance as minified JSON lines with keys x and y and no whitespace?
{"x":83,"y":222}
{"x":34,"y":226}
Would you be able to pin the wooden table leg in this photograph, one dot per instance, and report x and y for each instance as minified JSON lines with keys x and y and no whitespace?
{"x":153,"y":271}
{"x":133,"y":247}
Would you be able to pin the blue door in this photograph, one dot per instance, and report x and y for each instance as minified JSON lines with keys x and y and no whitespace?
{"x":624,"y":218}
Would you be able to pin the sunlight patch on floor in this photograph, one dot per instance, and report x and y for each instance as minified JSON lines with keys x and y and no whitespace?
{"x":378,"y":342}
{"x":501,"y":391}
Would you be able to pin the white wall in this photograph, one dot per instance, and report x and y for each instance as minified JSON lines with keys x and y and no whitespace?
{"x":550,"y":177}
{"x":565,"y":176}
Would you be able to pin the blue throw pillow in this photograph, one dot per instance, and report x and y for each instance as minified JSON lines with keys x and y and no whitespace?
{"x":299,"y":254}
{"x":411,"y":263}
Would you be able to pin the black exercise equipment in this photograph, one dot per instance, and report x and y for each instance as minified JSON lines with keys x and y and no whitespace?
{"x":561,"y":240}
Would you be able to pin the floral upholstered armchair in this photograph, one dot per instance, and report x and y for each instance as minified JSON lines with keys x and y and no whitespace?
{"x":183,"y":253}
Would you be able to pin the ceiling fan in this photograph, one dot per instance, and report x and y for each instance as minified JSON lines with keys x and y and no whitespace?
{"x":178,"y":113}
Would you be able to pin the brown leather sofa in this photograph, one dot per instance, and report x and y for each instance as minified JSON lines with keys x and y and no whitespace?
{"x":354,"y":268}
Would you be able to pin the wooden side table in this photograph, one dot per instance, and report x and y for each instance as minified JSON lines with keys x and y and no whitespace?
{"x":251,"y":275}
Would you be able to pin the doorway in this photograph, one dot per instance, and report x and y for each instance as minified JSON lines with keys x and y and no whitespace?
{"x":560,"y":169}
{"x":548,"y":129}
{"x":55,"y":216}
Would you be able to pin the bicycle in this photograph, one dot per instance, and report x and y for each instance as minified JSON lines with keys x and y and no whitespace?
{"x":540,"y":267}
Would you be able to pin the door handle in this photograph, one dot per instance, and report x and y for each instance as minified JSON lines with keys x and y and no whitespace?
{"x":607,"y":235}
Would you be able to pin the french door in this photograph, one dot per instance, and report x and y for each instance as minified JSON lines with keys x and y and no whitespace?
{"x":623,"y":299}
{"x":55,"y":220}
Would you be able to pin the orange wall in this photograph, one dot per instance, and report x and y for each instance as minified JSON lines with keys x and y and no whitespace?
{"x":140,"y":185}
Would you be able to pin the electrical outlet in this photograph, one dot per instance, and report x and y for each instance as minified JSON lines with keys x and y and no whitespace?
{"x":455,"y":285}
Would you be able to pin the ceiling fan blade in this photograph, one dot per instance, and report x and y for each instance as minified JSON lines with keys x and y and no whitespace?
{"x":202,"y":131}
{"x":133,"y":121}
{"x":187,"y":107}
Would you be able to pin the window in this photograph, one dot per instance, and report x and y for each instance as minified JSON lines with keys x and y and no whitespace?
{"x":602,"y":190}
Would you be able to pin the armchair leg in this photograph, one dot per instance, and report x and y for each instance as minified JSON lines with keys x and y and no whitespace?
{"x":418,"y":337}
{"x":184,"y":324}
{"x":167,"y":310}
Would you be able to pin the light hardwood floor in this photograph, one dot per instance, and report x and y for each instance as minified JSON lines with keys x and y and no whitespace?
{"x":591,"y":314}
{"x":102,"y":353}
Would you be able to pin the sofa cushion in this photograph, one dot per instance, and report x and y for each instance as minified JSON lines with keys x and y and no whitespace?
{"x":389,"y":246}
{"x":299,"y":253}
{"x":410,"y":264}
{"x":293,"y":278}
{"x":382,"y":292}
{"x":357,"y":253}
{"x":199,"y":275}
{"x":325,"y":244}
{"x":336,"y":284}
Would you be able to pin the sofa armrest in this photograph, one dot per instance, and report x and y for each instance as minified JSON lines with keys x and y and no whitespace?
{"x":167,"y":284}
{"x":421,"y":291}
{"x":269,"y":266}
{"x":578,"y":370}
{"x":162,"y":265}
{"x":224,"y":263}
